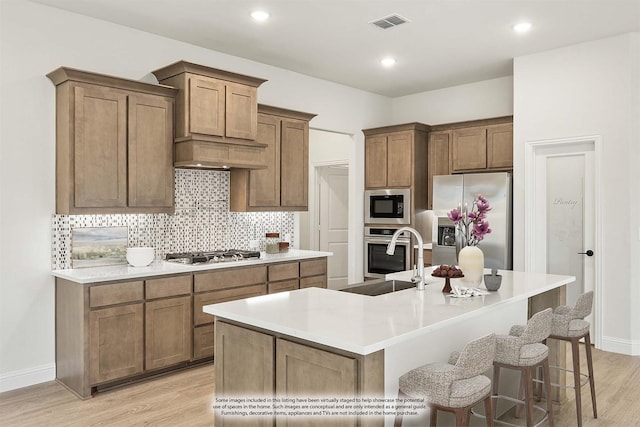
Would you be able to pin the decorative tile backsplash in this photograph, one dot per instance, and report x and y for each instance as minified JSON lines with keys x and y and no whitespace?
{"x":201,"y":221}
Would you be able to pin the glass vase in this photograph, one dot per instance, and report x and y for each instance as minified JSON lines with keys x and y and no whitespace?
{"x":471,"y":262}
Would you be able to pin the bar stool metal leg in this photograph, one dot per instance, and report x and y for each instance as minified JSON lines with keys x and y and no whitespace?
{"x":547,"y":386}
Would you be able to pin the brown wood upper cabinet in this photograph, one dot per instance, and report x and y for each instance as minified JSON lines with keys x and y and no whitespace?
{"x":216,"y":120}
{"x":114,"y":144}
{"x":439,"y":160}
{"x":482,"y":147}
{"x":283,"y":184}
{"x":391,"y":154}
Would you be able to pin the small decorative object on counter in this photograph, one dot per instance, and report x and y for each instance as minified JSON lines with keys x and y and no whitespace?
{"x":140,"y":257}
{"x":448,"y":272}
{"x":272,"y":243}
{"x":493,"y":281}
{"x":283,"y":246}
{"x":471,"y":260}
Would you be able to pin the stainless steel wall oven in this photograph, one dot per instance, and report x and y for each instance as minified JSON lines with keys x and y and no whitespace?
{"x":376,"y":261}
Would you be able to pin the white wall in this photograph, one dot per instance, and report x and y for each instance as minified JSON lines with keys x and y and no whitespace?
{"x":481,"y":100}
{"x":331,"y":148}
{"x":37,"y":39}
{"x":591,"y":89}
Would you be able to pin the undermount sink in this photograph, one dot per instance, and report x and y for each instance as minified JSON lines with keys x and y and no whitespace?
{"x":379,"y":287}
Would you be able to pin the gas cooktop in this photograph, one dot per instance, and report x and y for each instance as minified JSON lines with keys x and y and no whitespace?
{"x":211,"y":256}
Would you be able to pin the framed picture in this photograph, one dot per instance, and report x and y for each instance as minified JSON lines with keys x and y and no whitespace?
{"x":98,"y":246}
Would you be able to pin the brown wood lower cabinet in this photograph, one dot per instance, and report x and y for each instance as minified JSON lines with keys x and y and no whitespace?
{"x":214,"y":287}
{"x":313,"y":273}
{"x":168,"y":336}
{"x":117,"y":331}
{"x":253,"y":363}
{"x":306,"y":371}
{"x":115,"y":342}
{"x":109,"y":333}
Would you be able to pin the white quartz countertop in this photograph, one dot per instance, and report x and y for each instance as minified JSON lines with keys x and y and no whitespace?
{"x":161,"y":268}
{"x":364,"y":324}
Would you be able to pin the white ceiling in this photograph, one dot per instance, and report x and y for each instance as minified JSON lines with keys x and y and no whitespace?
{"x":447,"y":42}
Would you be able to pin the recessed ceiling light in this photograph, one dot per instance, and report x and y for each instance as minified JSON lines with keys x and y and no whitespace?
{"x":522,"y":27}
{"x":388,"y":62}
{"x":260,"y":15}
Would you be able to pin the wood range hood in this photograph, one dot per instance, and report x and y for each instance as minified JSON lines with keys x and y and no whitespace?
{"x":216,"y":117}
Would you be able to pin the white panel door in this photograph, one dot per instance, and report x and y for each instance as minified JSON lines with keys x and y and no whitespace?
{"x":565,"y":216}
{"x":333,"y":227}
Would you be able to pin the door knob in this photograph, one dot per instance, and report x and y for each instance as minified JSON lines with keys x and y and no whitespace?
{"x":588,"y":253}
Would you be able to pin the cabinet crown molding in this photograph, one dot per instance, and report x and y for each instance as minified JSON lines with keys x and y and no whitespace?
{"x":472,"y":123}
{"x":188,"y":67}
{"x":63,"y":74}
{"x":415,"y":126}
{"x":277,"y":111}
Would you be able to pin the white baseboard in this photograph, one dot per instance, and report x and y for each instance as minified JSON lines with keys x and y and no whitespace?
{"x":27,"y":377}
{"x":617,"y":345}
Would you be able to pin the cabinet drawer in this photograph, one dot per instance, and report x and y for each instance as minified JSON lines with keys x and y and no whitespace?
{"x":116,"y":293}
{"x":167,"y":287}
{"x":203,"y":342}
{"x":285,"y":285}
{"x":200,"y":300}
{"x":285,"y":271}
{"x":313,"y":267}
{"x":314,"y":281}
{"x":229,"y":278}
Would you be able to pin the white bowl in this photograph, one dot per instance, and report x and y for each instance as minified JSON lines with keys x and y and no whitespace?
{"x":140,"y":257}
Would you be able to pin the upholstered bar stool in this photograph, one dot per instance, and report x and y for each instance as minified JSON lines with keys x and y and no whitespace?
{"x":455,"y":386}
{"x":523,"y":350}
{"x":568,"y":324}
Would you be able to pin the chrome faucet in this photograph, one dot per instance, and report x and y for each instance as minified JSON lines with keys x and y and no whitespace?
{"x":391,"y":248}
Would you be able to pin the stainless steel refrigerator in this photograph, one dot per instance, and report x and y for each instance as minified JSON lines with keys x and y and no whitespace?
{"x":451,"y":191}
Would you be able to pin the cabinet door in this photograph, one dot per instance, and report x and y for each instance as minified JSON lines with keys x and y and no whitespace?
{"x":308,"y":371}
{"x":399,"y":159}
{"x":241,"y":111}
{"x":500,"y":146}
{"x":264,"y":184}
{"x":244,"y":363}
{"x":168,"y":332}
{"x":206,"y":106}
{"x":469,"y":149}
{"x":375,"y":162}
{"x":294,"y":163}
{"x":115,"y":342}
{"x":438,"y":160}
{"x":150,"y":151}
{"x":100,"y":147}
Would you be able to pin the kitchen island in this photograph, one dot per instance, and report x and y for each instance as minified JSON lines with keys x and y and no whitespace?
{"x":320,"y":341}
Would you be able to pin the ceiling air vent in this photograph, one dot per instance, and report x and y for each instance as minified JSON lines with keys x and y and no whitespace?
{"x":389,"y":21}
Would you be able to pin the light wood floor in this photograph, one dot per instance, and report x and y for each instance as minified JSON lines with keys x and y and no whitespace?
{"x":185,"y":399}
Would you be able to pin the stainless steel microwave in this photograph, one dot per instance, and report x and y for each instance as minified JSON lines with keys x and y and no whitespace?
{"x":388,"y":206}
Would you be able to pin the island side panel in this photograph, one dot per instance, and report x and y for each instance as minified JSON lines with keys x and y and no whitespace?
{"x":244,"y":366}
{"x":72,"y":337}
{"x":557,"y":349}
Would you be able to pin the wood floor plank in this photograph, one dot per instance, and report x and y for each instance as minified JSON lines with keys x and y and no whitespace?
{"x":186,"y":398}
